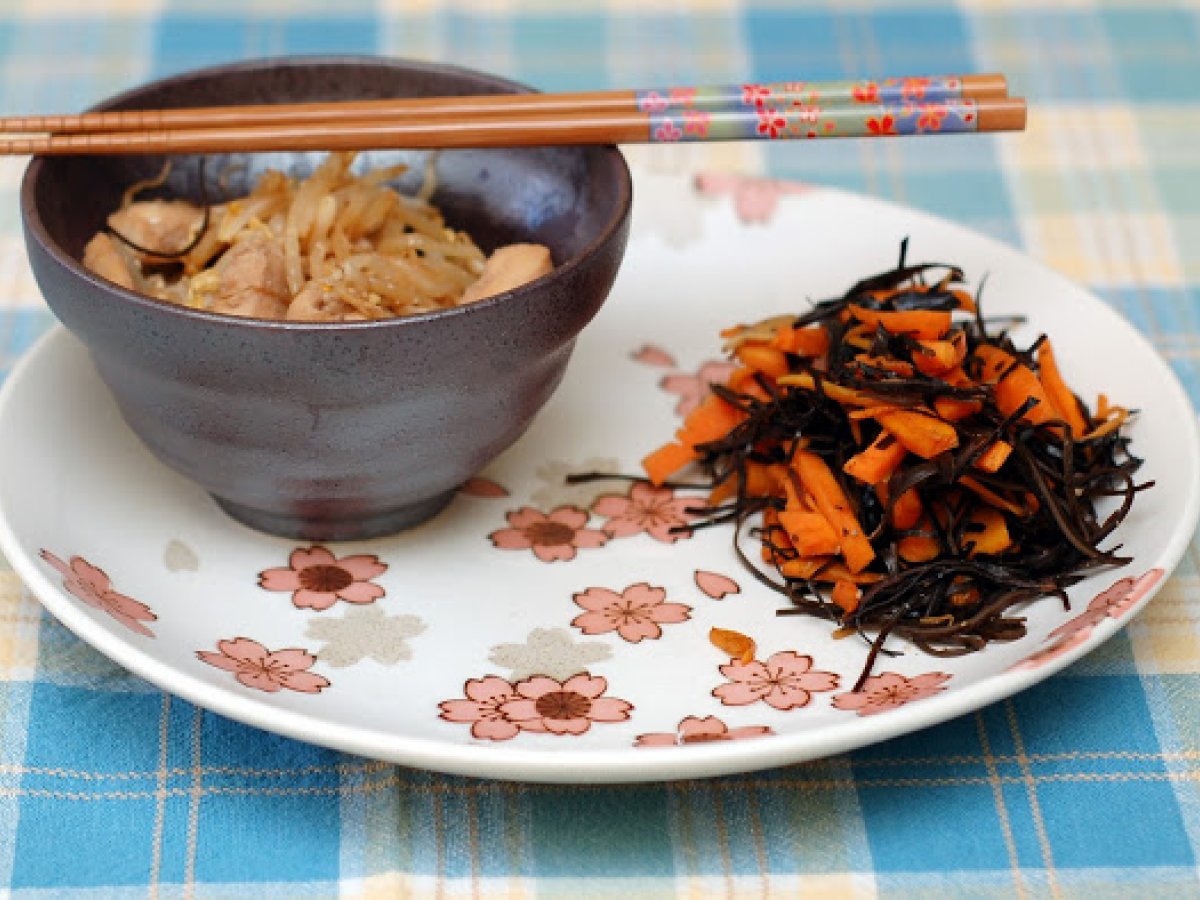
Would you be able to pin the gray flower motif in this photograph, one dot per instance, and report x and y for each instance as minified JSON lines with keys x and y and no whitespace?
{"x":548,"y":651}
{"x":365,"y":631}
{"x":556,"y":492}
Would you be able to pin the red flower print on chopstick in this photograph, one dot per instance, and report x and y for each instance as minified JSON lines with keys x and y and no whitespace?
{"x":635,"y":614}
{"x":317,"y":579}
{"x":552,"y":536}
{"x":264,"y":670}
{"x":91,"y":585}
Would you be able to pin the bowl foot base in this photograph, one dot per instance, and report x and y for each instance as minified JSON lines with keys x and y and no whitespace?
{"x":341,"y":528}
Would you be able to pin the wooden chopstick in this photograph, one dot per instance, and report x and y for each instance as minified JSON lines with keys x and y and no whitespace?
{"x":822,"y":93}
{"x":541,"y":129}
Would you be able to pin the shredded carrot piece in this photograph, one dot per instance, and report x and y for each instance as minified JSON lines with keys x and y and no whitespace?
{"x":739,"y":646}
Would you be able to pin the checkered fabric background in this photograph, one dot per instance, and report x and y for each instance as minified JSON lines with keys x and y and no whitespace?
{"x":1088,"y":786}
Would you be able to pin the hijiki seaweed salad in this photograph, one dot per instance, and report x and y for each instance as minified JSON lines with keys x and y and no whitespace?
{"x":908,"y":470}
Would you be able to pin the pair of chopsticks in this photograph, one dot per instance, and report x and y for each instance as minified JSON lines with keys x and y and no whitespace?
{"x":943,"y":104}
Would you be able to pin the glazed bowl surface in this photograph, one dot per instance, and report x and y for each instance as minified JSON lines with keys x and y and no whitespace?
{"x":336,"y":431}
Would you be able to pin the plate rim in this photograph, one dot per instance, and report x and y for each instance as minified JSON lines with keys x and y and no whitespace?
{"x":485,"y":760}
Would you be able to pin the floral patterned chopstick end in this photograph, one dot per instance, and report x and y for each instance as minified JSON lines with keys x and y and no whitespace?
{"x":788,"y":110}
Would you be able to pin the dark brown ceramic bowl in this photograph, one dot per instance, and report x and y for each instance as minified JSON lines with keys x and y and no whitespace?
{"x":336,"y":431}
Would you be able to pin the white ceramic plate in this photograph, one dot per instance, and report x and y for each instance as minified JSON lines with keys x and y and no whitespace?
{"x":454,"y":647}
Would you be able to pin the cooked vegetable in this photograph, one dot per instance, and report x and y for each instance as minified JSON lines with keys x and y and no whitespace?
{"x":917,"y":474}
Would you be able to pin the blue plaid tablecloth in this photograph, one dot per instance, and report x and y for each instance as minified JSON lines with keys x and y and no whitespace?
{"x":1087,"y":786}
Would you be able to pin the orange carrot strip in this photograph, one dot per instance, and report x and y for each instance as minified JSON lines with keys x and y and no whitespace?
{"x":761,"y":480}
{"x":965,"y":301}
{"x":774,"y":539}
{"x":908,"y":510}
{"x":1018,"y":386}
{"x":993,"y":536}
{"x":833,"y":504}
{"x":740,"y":379}
{"x":918,"y":548}
{"x":994,"y":362}
{"x":886,"y":364}
{"x":1015,"y":383}
{"x":846,"y":594}
{"x":922,"y":434}
{"x":810,"y":341}
{"x":994,"y":456}
{"x":768,"y":360}
{"x":739,"y":646}
{"x":810,"y":533}
{"x":941,"y":356}
{"x":712,"y":419}
{"x":666,"y":461}
{"x":876,"y":463}
{"x":726,"y":490}
{"x":836,"y":571}
{"x":803,"y":568}
{"x":927,"y":324}
{"x":952,"y":410}
{"x":1056,"y":387}
{"x":844,"y":395}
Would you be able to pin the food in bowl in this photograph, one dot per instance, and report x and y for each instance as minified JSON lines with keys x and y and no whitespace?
{"x":332,"y":247}
{"x":335,"y":430}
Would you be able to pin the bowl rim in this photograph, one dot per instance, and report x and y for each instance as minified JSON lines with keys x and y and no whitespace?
{"x":36,"y":228}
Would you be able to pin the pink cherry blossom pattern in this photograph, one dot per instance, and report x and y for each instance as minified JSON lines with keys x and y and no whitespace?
{"x":890,"y":690}
{"x":694,"y":730}
{"x":785,"y":681}
{"x":667,"y":131}
{"x":91,"y":585}
{"x":552,"y":536}
{"x":317,"y":579}
{"x":656,"y":511}
{"x":481,"y":708}
{"x":635,"y":614}
{"x":1059,"y":648}
{"x":564,"y":707}
{"x":716,"y":585}
{"x":478,"y":486}
{"x":653,"y":355}
{"x":755,"y":200}
{"x":693,"y":388}
{"x":1112,"y":603}
{"x":257,"y":667}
